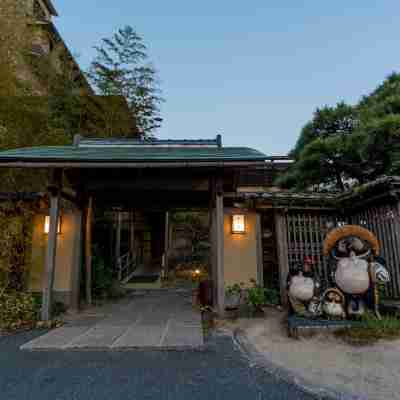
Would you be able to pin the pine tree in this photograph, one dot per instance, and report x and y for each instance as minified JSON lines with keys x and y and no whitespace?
{"x":122,"y":68}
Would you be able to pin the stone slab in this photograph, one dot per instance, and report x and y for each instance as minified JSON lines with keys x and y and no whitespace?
{"x":157,"y":320}
{"x":98,"y":337}
{"x":56,"y":339}
{"x":140,"y":336}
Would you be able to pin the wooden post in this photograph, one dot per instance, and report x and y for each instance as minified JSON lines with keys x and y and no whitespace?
{"x":132,"y":232}
{"x":282,"y":244}
{"x":77,"y":261}
{"x":54,"y":194}
{"x":219,"y":222}
{"x":118,"y":237}
{"x":260,"y":263}
{"x":166,"y":243}
{"x":88,"y":250}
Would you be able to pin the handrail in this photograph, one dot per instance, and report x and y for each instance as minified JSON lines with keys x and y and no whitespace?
{"x":126,"y":265}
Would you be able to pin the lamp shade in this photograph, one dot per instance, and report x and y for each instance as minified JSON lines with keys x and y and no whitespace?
{"x":238,"y":223}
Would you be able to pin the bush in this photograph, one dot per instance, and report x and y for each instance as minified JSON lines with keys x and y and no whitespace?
{"x":272,"y":296}
{"x":102,"y":279}
{"x":17,"y":309}
{"x":256,"y":295}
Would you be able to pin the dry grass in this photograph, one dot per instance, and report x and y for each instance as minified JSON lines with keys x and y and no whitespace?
{"x":373,"y":329}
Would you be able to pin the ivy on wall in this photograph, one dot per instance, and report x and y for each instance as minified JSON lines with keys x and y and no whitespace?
{"x":15,"y":243}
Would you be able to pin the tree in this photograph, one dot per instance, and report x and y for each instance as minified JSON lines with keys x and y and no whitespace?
{"x":121,"y":68}
{"x":321,"y":152}
{"x":346,"y":144}
{"x":327,"y":121}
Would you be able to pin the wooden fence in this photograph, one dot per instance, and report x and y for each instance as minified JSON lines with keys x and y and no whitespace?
{"x":304,"y":232}
{"x":384,"y":222}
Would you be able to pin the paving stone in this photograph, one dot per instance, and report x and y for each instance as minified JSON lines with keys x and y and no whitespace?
{"x":141,"y":336}
{"x":156,"y":320}
{"x":56,"y":339}
{"x":98,"y":337}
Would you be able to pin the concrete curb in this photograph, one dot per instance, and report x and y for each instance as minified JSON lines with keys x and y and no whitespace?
{"x":259,"y":361}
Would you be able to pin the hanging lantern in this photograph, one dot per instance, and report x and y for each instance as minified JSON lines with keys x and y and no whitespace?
{"x":239,"y":223}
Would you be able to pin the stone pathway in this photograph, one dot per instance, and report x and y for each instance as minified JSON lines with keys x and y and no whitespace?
{"x":152,"y":320}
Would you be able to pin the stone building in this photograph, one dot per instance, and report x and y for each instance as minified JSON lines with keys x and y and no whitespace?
{"x":30,"y":37}
{"x":39,"y":59}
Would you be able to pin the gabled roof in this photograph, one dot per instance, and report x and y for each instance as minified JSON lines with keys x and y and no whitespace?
{"x":132,"y":153}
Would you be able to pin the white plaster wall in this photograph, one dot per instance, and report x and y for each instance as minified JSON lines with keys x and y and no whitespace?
{"x":240,"y":251}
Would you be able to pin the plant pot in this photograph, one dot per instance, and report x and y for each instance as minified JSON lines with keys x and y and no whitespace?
{"x":232,"y":301}
{"x":195,"y":297}
{"x":207,"y":318}
{"x":231,"y":313}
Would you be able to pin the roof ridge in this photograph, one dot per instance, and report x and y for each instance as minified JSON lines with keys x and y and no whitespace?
{"x":80,"y":142}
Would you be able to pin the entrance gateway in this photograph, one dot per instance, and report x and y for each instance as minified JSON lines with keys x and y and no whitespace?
{"x":152,"y":176}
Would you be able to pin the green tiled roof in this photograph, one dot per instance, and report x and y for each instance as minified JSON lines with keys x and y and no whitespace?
{"x":110,"y":154}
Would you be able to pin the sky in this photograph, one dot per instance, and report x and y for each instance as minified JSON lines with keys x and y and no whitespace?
{"x":253,"y":71}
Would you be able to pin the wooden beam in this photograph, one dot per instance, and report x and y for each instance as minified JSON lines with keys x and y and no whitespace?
{"x":88,"y":250}
{"x":166,"y":242}
{"x":118,"y":226}
{"x":132,"y":231}
{"x":283,"y":258}
{"x":51,"y":254}
{"x":260,"y":263}
{"x":220,"y":280}
{"x":70,"y":196}
{"x":76,"y":271}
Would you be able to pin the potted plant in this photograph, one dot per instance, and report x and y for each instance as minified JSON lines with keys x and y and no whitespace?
{"x":207,"y":315}
{"x":233,"y":299}
{"x":256,"y":297}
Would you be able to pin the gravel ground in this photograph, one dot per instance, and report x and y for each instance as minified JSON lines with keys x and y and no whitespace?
{"x":366,"y":372}
{"x":219,"y":372}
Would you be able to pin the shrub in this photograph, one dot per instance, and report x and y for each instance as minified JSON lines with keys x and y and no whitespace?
{"x":102,"y":280}
{"x":17,"y":309}
{"x":256,"y":295}
{"x":272,"y":296}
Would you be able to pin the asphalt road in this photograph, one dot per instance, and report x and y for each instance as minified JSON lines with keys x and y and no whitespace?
{"x":218,"y":372}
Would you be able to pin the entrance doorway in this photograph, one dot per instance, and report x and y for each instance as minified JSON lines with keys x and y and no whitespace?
{"x":150,"y":249}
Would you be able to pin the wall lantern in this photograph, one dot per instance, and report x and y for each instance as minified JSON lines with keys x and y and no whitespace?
{"x":47,"y":225}
{"x":238,"y":223}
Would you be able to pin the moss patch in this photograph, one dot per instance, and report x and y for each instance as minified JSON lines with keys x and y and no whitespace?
{"x":373,"y":329}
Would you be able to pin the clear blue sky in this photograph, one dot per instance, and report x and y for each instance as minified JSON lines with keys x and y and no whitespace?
{"x":253,"y":71}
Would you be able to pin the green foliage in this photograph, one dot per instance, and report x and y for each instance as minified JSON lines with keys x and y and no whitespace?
{"x":343,"y":145}
{"x":256,"y":295}
{"x":102,"y":280}
{"x":195,"y":227}
{"x":272,"y":296}
{"x":340,"y":120}
{"x":121,"y":68}
{"x":235,"y":289}
{"x":17,"y":309}
{"x":373,"y":329}
{"x":15,"y":243}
